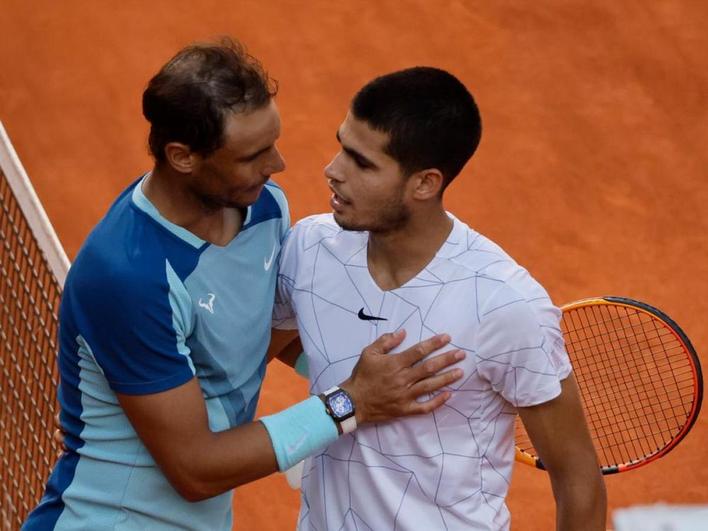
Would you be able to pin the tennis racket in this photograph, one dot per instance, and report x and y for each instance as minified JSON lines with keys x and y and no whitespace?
{"x":639,"y":378}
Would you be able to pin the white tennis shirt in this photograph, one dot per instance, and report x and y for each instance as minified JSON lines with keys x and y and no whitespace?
{"x":449,"y":469}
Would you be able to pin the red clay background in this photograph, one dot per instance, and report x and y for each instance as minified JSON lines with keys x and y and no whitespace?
{"x":592,"y":172}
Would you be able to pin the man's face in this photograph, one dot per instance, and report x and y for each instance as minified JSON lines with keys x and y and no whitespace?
{"x":368,"y":186}
{"x":234,"y":175}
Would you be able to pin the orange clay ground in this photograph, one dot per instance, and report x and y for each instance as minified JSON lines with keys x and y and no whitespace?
{"x":592,"y":172}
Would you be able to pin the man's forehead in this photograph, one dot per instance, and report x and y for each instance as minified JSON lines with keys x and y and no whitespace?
{"x":252,"y":128}
{"x":358,"y":134}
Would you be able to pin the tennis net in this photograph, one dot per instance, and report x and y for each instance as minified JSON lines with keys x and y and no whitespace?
{"x":33,"y":267}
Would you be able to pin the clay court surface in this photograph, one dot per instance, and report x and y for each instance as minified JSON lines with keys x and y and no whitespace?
{"x":592,"y":172}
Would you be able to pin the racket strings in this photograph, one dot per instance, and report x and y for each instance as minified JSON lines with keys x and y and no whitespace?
{"x":644,"y":428}
{"x":635,"y":380}
{"x":613,"y":423}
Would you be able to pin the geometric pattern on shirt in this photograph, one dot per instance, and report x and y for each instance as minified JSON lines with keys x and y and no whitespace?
{"x":449,"y":469}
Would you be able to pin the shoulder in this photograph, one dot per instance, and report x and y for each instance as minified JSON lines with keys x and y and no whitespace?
{"x":128,"y":256}
{"x":472,"y":250}
{"x":503,"y":302}
{"x":127,"y":293}
{"x":314,"y":234}
{"x":315,"y":228}
{"x":494,"y":265}
{"x":498,"y":278}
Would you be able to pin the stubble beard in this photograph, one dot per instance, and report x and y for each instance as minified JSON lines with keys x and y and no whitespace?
{"x":390,"y":216}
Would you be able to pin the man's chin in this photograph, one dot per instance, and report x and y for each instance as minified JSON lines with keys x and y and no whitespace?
{"x":379,"y":226}
{"x":245,"y":201}
{"x":347,"y":224}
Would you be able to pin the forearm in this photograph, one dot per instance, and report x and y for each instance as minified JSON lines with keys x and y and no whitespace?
{"x":221,"y":461}
{"x":174,"y":425}
{"x":581,"y":503}
{"x":199,"y":463}
{"x":217,"y":462}
{"x":305,"y":428}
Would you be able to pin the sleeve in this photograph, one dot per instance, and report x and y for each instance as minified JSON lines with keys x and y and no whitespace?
{"x":135,"y":328}
{"x":519,"y":350}
{"x":284,"y":317}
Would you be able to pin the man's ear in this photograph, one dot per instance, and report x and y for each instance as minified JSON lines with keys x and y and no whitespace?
{"x":427,"y":184}
{"x":180,"y":157}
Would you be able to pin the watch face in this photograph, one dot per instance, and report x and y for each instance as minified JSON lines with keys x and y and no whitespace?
{"x":340,"y":404}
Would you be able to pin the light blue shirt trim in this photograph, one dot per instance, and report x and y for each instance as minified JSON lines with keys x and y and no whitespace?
{"x":144,"y":204}
{"x":182,"y":318}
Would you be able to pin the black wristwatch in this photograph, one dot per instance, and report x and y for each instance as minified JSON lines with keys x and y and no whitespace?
{"x":340,"y":407}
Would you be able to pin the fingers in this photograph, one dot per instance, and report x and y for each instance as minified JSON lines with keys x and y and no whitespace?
{"x":421,"y":408}
{"x":434,"y":383}
{"x":420,"y":350}
{"x":59,"y":434}
{"x":386,"y":342}
{"x":435,"y":364}
{"x":58,"y":437}
{"x":385,"y":387}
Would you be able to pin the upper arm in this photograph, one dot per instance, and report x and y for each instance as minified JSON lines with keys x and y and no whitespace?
{"x":172,"y":424}
{"x":134,"y":325}
{"x":521,"y":353}
{"x":559,"y":433}
{"x":516,"y":351}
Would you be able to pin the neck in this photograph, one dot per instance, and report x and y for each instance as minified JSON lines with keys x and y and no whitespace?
{"x":169,"y":192}
{"x":397,"y":256}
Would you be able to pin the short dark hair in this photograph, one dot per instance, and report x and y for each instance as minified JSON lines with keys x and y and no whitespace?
{"x":187,"y":100}
{"x":432,"y":119}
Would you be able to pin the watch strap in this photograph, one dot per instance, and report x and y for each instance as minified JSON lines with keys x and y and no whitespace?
{"x":348,"y":425}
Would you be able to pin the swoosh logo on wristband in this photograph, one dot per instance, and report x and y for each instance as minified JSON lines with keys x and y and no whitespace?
{"x":294,"y":447}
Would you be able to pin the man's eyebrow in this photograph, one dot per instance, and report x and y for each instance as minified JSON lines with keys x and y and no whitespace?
{"x":251,"y":156}
{"x":353,"y":153}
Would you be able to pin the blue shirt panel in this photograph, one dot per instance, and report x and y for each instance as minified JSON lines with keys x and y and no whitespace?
{"x":146,"y":306}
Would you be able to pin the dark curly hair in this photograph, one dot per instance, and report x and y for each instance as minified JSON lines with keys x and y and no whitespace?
{"x":189,"y":97}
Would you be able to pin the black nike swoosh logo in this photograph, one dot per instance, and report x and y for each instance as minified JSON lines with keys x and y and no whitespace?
{"x":365,"y":317}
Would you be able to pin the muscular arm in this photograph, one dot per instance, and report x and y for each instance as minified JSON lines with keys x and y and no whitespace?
{"x":560,"y":435}
{"x":199,"y":463}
